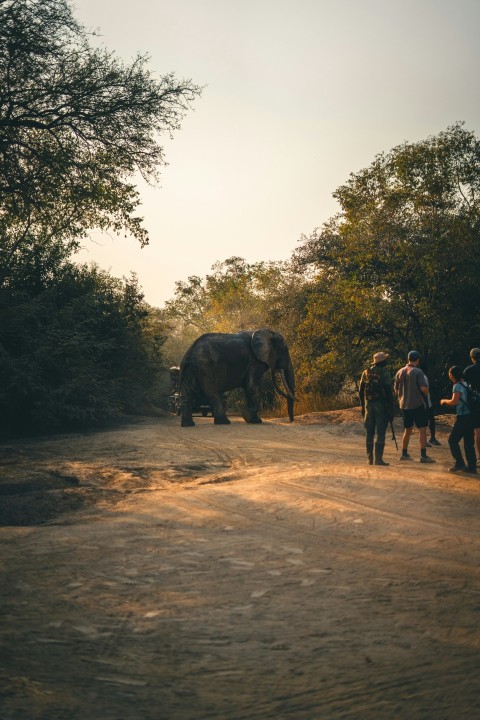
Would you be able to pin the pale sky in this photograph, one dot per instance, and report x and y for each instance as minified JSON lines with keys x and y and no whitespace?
{"x":298,"y":94}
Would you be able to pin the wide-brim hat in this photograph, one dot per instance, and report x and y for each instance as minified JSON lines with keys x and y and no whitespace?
{"x":380,"y":357}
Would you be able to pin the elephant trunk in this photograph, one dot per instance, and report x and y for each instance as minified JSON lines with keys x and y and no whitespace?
{"x":288,"y":381}
{"x":287,"y":385}
{"x":290,"y":409}
{"x":277,"y":387}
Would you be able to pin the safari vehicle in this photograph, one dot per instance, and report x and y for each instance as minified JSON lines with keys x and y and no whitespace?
{"x":200,"y":404}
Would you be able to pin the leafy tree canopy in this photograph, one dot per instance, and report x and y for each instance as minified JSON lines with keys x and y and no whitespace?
{"x":75,"y":125}
{"x":398,"y":266}
{"x":235,"y":296}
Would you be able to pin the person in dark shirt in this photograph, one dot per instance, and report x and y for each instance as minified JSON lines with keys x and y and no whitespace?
{"x":377,"y":405}
{"x":471,"y":375}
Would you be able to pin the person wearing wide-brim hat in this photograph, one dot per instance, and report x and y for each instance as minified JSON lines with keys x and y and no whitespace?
{"x":376,"y":398}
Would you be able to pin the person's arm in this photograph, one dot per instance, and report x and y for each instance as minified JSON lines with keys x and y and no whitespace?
{"x":361,"y":392}
{"x":423,"y":384}
{"x":425,"y":388}
{"x":454,"y":400}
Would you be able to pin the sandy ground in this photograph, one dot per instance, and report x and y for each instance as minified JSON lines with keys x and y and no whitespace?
{"x":152,"y":572}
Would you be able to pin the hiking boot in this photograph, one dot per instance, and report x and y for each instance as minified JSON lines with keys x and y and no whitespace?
{"x":406,"y":457}
{"x":434,"y":441}
{"x":457,"y":468}
{"x":427,"y":459}
{"x":370,"y":453}
{"x":379,"y":448}
{"x":428,"y":444}
{"x":471,"y":470}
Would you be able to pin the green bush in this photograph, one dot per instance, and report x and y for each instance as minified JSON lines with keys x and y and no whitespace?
{"x":75,"y":351}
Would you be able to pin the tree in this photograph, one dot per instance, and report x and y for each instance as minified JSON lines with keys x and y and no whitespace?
{"x":77,"y":347}
{"x":75,"y":125}
{"x":398,"y":266}
{"x":235,"y":296}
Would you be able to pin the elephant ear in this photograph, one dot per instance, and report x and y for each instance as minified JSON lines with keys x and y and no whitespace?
{"x":262,"y":346}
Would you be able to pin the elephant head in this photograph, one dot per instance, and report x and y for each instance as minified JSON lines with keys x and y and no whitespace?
{"x":271,"y":349}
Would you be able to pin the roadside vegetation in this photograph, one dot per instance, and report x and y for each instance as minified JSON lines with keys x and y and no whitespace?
{"x":76,"y":346}
{"x":396,"y":268}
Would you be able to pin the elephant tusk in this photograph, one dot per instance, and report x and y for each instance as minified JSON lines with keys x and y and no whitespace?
{"x":277,"y":388}
{"x":284,"y":379}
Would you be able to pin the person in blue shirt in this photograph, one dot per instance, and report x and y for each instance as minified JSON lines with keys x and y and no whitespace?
{"x":463,"y":426}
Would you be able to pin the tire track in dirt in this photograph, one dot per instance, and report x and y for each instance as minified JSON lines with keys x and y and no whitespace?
{"x":364,"y":550}
{"x":446,"y":531}
{"x":308,"y":587}
{"x":344,"y":502}
{"x":229,"y":457}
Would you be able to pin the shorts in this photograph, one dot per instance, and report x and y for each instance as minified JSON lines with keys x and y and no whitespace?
{"x":417,"y":416}
{"x":476,"y":420}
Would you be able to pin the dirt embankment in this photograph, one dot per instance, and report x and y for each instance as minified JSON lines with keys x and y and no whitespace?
{"x":234,"y":572}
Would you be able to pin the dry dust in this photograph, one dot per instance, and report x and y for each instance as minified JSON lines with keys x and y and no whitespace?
{"x":153,"y":572}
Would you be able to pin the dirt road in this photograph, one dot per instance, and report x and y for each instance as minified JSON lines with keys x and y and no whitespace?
{"x":236,"y":573}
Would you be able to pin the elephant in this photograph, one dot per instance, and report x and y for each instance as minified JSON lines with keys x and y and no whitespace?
{"x":218,"y":362}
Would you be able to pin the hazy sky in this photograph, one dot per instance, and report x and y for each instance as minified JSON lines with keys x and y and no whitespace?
{"x":298,"y":94}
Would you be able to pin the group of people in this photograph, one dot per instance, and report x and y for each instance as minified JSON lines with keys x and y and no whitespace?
{"x":411,"y":388}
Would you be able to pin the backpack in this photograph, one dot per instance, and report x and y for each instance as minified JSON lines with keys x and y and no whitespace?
{"x":373,"y":384}
{"x":473,"y":400}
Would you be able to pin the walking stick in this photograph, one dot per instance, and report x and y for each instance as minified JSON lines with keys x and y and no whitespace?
{"x":393,"y":434}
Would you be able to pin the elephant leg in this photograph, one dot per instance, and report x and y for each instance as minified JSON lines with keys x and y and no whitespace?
{"x":252,"y":396}
{"x":218,"y":410}
{"x":251,"y":417}
{"x":187,"y":418}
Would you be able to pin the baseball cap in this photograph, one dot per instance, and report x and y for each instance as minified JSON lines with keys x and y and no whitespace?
{"x":414,"y":355}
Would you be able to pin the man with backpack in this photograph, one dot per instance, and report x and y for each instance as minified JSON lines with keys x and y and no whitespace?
{"x":411,"y":388}
{"x":471,"y":375}
{"x":377,"y":405}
